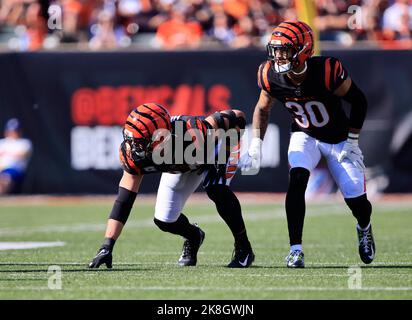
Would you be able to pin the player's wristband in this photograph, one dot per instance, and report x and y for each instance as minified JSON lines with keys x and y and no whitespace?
{"x":353,"y":137}
{"x":123,"y":205}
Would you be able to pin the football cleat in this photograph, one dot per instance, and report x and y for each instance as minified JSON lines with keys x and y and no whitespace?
{"x":241,"y":258}
{"x":295,"y":259}
{"x":190,"y":249}
{"x":366,"y":244}
{"x":103,"y":256}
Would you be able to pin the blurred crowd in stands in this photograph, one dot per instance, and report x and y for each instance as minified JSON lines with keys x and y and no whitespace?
{"x":176,"y":24}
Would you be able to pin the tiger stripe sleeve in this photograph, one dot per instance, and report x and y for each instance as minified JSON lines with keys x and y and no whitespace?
{"x":335,"y":74}
{"x":263,"y":76}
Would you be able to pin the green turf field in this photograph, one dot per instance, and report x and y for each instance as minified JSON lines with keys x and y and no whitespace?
{"x":145,"y":259}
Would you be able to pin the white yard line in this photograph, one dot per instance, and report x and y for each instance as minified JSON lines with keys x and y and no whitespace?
{"x":146,"y":223}
{"x":211,"y":289}
{"x":275,"y":265}
{"x":28,"y":245}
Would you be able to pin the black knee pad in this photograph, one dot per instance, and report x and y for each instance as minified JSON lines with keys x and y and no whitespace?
{"x":219,"y":192}
{"x":298,"y":178}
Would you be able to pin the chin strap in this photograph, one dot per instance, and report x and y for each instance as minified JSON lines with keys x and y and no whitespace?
{"x":303,"y":71}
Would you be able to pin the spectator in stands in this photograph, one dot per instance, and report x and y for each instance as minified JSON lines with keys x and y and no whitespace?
{"x":71,"y":9}
{"x":15,"y":153}
{"x":25,"y":22}
{"x":187,"y":23}
{"x":221,"y":31}
{"x":103,"y":32}
{"x":332,"y":20}
{"x":245,"y":32}
{"x":177,"y":32}
{"x":36,"y":26}
{"x":371,"y":16}
{"x":397,"y":20}
{"x":236,"y":8}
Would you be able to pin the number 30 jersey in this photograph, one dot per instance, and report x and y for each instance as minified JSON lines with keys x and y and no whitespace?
{"x":313,"y":106}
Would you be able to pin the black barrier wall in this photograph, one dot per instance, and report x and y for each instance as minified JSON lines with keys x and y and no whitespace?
{"x":72,"y":105}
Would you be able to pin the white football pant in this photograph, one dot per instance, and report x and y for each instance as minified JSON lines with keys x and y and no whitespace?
{"x":306,"y":152}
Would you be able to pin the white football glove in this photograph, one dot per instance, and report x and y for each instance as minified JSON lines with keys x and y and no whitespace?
{"x":352,"y":152}
{"x":249,"y":162}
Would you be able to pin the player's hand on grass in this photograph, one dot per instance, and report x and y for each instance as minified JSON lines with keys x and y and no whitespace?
{"x":249,"y":162}
{"x":103,"y":256}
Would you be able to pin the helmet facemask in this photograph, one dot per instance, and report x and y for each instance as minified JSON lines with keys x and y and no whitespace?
{"x":284,"y":57}
{"x":140,"y":148}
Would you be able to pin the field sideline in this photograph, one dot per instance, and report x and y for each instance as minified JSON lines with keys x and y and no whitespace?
{"x":71,"y":230}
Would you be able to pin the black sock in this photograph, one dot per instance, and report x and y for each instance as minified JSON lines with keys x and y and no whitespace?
{"x":361,"y":209}
{"x":241,"y":240}
{"x":295,"y":203}
{"x":228,"y":207}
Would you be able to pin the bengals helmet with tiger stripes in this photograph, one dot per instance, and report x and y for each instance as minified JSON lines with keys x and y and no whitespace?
{"x":142,"y":127}
{"x":291,"y":43}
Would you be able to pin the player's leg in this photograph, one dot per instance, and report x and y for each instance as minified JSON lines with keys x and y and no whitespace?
{"x":217,"y":185}
{"x":11,"y":181}
{"x":303,"y":156}
{"x":173,"y":192}
{"x":351,"y":182}
{"x":5,"y":182}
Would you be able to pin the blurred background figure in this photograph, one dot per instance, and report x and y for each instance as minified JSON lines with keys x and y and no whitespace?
{"x":171,"y":24}
{"x":15,"y":153}
{"x":23,"y":24}
{"x":104,"y":36}
{"x":178,"y":31}
{"x":397,"y":20}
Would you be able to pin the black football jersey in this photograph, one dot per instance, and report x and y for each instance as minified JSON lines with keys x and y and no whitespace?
{"x":180,"y":125}
{"x":313,"y":106}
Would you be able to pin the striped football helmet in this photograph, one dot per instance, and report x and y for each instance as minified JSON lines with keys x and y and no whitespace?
{"x":142,"y":128}
{"x":290,"y":45}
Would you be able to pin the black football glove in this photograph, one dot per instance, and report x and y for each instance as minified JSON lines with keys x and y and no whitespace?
{"x":104,"y":255}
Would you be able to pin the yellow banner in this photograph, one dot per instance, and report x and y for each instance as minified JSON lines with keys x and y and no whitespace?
{"x":306,"y":11}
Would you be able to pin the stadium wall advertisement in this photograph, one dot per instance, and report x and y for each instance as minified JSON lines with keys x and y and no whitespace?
{"x":72,"y":106}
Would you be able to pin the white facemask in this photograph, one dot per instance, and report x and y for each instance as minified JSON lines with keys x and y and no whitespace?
{"x":282,"y":68}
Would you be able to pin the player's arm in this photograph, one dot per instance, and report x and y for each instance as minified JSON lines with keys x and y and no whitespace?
{"x":261,"y":114}
{"x":338,"y":81}
{"x":250,"y":162}
{"x":350,"y":92}
{"x":128,"y":188}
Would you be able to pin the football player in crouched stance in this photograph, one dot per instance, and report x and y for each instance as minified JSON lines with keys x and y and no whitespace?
{"x":312,"y":89}
{"x":151,"y":136}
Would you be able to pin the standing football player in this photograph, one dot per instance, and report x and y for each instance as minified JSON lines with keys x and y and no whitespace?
{"x":179,"y":178}
{"x":312,"y":90}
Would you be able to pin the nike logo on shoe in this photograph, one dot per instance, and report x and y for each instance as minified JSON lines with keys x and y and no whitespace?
{"x":244,"y":263}
{"x":372,"y":255}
